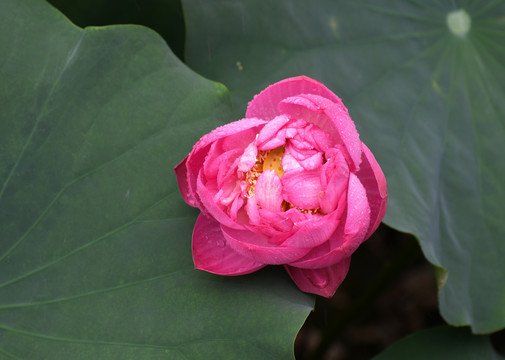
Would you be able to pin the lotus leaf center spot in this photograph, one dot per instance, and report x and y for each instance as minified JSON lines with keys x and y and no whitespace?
{"x":459,"y":22}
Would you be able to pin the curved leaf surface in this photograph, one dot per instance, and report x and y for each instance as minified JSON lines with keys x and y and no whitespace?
{"x":425,"y":83}
{"x":95,"y":255}
{"x":443,"y":343}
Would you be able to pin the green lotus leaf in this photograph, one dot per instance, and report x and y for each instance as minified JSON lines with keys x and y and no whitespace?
{"x":95,"y":240}
{"x":442,"y":343}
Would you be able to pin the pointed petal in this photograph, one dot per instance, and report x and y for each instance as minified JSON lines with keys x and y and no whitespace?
{"x":211,"y":252}
{"x":321,"y":281}
{"x":264,"y":105}
{"x":257,"y":247}
{"x":268,"y":191}
{"x":181,"y":173}
{"x":374,"y":181}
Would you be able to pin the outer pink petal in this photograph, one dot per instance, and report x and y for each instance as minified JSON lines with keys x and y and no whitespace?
{"x":302,"y":188}
{"x":181,"y":174}
{"x":224,"y":131}
{"x":322,"y":281}
{"x":268,"y":191}
{"x":329,"y":116}
{"x":211,"y":252}
{"x":334,"y":179}
{"x":372,"y":178}
{"x":257,"y":247}
{"x":264,"y":105}
{"x":345,"y":240}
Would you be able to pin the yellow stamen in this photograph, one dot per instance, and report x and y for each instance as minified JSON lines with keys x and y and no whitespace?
{"x":270,"y":160}
{"x":273,"y":161}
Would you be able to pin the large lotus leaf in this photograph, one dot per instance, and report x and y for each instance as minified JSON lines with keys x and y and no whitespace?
{"x":425,"y":83}
{"x":442,"y":343}
{"x":95,"y":255}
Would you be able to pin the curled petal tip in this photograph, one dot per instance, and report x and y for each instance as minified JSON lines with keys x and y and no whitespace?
{"x":321,"y":281}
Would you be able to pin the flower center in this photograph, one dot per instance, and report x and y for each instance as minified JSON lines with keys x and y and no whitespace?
{"x":270,"y":160}
{"x":273,"y":161}
{"x":265,"y":160}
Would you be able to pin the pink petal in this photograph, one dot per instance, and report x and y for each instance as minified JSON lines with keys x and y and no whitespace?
{"x":181,"y":173}
{"x":348,"y":236}
{"x":313,"y":231}
{"x":227,"y":192}
{"x":358,"y":209}
{"x":309,"y":159}
{"x":264,"y":105}
{"x":372,"y":178}
{"x":231,"y":129}
{"x":279,"y":220}
{"x":253,"y":211}
{"x":195,"y":160}
{"x":237,"y":204}
{"x":268,"y":191}
{"x":228,"y":166}
{"x":289,"y":162}
{"x":334,"y":179}
{"x":302,"y":188}
{"x":248,"y":158}
{"x":333,"y":194}
{"x":271,"y":136}
{"x":320,"y":138}
{"x":211,"y":164}
{"x":257,"y":247}
{"x":331,"y":117}
{"x":276,"y":226}
{"x":211,"y":252}
{"x":322,"y":281}
{"x":206,"y":194}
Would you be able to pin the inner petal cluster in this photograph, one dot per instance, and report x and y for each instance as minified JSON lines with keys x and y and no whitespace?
{"x":265,"y":160}
{"x":291,"y":165}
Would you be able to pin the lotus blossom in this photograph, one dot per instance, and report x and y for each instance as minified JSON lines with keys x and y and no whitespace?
{"x":290,"y":184}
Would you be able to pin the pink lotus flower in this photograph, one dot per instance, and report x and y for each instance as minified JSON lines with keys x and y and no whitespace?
{"x":290,"y":184}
